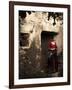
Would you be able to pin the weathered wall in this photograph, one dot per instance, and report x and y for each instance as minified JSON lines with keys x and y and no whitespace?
{"x":33,"y":58}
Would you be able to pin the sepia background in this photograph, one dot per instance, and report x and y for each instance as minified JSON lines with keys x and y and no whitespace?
{"x":36,"y":29}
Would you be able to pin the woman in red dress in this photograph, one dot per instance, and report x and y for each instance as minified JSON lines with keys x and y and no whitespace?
{"x":52,"y":56}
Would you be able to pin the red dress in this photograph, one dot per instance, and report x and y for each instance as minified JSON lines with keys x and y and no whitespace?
{"x":52,"y":45}
{"x":53,"y":60}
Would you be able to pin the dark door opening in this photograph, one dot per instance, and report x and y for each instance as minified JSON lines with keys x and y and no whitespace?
{"x":45,"y":38}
